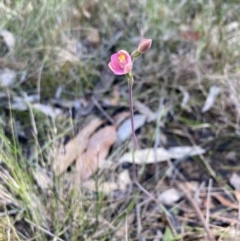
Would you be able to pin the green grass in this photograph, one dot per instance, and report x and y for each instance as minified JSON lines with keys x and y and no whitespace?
{"x":45,"y":33}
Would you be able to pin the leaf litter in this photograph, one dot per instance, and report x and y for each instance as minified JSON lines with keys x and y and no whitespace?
{"x":150,"y":156}
{"x":9,"y":39}
{"x":7,"y":77}
{"x":184,"y":74}
{"x":125,"y":131}
{"x":212,"y":95}
{"x":97,"y":150}
{"x":75,"y":147}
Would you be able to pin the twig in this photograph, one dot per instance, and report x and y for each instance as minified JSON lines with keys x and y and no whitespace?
{"x":198,"y":211}
{"x":208,"y":200}
{"x":225,"y":219}
{"x":139,"y":224}
{"x":126,"y":228}
{"x":237,"y":226}
{"x":108,"y":117}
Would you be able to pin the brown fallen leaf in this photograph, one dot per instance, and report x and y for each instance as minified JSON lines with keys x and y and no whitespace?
{"x":120,"y":117}
{"x":237,"y":195}
{"x":74,"y":147}
{"x":97,"y":150}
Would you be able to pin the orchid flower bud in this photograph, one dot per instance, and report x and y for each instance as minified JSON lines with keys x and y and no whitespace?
{"x":144,"y":45}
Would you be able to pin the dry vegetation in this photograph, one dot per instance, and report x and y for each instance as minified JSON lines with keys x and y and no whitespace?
{"x":57,"y":96}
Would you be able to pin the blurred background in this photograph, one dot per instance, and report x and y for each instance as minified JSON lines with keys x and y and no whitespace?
{"x":55,"y":80}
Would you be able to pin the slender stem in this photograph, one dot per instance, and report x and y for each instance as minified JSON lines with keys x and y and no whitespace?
{"x":130,"y":84}
{"x":135,"y":179}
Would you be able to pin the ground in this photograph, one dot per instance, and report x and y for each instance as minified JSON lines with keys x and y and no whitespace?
{"x":66,"y":168}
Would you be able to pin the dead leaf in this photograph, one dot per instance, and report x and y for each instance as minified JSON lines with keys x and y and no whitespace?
{"x":213,"y":93}
{"x":235,"y":181}
{"x":74,"y":147}
{"x":48,"y":110}
{"x":7,"y":77}
{"x":8,"y":38}
{"x":124,"y":180}
{"x":231,"y":156}
{"x":186,"y":97}
{"x":120,"y":117}
{"x":169,"y":196}
{"x":147,"y":156}
{"x":237,"y":195}
{"x":97,"y":150}
{"x":144,"y":110}
{"x":125,"y":130}
{"x":180,"y":152}
{"x":21,"y":103}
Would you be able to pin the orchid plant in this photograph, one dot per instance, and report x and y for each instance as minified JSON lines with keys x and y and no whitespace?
{"x":121,"y":64}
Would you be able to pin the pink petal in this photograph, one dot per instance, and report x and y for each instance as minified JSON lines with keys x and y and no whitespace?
{"x":123,"y":52}
{"x":115,"y":61}
{"x":129,"y":59}
{"x":114,"y":70}
{"x":128,"y":68}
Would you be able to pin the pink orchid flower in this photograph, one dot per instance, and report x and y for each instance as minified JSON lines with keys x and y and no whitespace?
{"x":121,"y":63}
